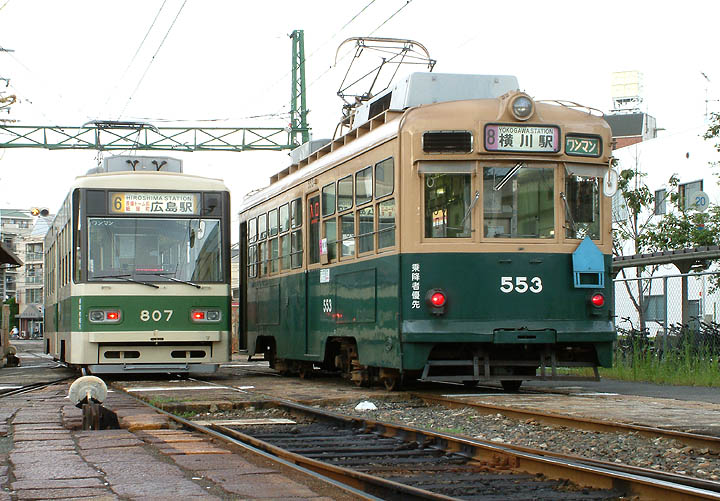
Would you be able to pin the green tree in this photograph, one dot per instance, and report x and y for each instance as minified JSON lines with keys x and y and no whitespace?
{"x":642,"y":232}
{"x":630,"y":233}
{"x":14,"y":307}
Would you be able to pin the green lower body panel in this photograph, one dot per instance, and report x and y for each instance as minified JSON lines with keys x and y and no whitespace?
{"x":521,"y":310}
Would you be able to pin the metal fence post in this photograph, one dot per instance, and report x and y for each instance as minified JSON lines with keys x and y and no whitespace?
{"x":665,"y":314}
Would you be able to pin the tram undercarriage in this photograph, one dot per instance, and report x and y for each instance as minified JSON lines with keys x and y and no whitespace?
{"x":470,"y":364}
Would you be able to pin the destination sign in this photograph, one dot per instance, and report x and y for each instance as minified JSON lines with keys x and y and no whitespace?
{"x":522,"y":138}
{"x":583,"y":146}
{"x":154,"y":203}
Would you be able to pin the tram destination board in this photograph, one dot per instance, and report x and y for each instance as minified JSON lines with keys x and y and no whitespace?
{"x":522,"y":138}
{"x":154,"y":203}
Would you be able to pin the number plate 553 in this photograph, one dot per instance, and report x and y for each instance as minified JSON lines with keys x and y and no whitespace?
{"x":521,"y":285}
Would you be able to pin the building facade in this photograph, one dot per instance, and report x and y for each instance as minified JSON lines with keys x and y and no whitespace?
{"x":24,"y":235}
{"x":690,"y":157}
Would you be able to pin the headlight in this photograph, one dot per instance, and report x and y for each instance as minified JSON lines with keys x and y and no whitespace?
{"x":205,"y":315}
{"x":522,"y":107}
{"x":106,"y":316}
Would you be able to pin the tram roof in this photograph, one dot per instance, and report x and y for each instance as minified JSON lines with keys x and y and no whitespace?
{"x":142,"y":180}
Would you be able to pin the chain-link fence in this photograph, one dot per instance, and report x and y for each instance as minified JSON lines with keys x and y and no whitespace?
{"x":649,"y":313}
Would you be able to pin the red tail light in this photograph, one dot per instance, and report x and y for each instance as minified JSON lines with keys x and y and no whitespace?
{"x":198,"y":315}
{"x":597,"y":300}
{"x":112,"y":315}
{"x":437,"y":299}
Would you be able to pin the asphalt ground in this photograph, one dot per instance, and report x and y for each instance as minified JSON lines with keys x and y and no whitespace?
{"x":686,"y":393}
{"x":44,"y":455}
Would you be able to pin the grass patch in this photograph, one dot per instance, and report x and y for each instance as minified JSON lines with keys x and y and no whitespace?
{"x":685,"y":365}
{"x":185,"y":414}
{"x":159,"y":401}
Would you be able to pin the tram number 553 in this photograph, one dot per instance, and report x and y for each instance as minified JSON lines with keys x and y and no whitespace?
{"x":156,"y":315}
{"x":520,"y":285}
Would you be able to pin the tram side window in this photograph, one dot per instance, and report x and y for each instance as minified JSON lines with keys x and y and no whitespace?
{"x":314,"y":229}
{"x":366,"y":229}
{"x":347,"y":228}
{"x":262,"y":227}
{"x":274,"y":255}
{"x":447,"y":200}
{"x":252,"y":261}
{"x":252,"y":230}
{"x":363,"y":186}
{"x":285,"y":251}
{"x":262,"y":258}
{"x":328,"y":200}
{"x":284,"y":237}
{"x":582,"y":209}
{"x":273,"y":223}
{"x":518,"y":202}
{"x":296,"y":213}
{"x":384,"y":178}
{"x":386,"y":223}
{"x":330,"y":232}
{"x":284,"y":218}
{"x":345,"y":194}
{"x":296,"y":249}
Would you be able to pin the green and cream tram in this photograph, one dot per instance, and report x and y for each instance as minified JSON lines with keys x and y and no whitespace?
{"x":458,"y":231}
{"x":137,"y":271}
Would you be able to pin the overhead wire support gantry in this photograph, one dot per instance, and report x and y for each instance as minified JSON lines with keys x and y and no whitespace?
{"x":111,"y":135}
{"x":114,"y":135}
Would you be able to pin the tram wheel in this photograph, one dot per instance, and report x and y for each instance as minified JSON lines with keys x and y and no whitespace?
{"x":391,"y":383}
{"x":305,"y":371}
{"x":511,"y":386}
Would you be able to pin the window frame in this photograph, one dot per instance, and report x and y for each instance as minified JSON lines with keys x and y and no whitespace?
{"x":369,"y":196}
{"x":392,"y":184}
{"x":351,"y":198}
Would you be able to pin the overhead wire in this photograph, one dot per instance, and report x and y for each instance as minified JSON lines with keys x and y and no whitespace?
{"x":42,"y":81}
{"x":393,"y":15}
{"x":349,"y":52}
{"x":152,"y":60}
{"x":132,"y":60}
{"x":327,"y":41}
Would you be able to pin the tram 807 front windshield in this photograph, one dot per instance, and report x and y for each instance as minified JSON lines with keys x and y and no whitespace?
{"x":154,"y":249}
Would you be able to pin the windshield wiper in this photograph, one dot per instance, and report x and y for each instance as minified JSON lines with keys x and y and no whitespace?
{"x":127,"y":278}
{"x":469,"y":209}
{"x":165,"y":273}
{"x":568,"y":214}
{"x":514,"y":170}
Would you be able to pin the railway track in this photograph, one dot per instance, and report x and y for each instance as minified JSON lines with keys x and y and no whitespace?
{"x":399,"y":462}
{"x":700,"y":441}
{"x":6,"y":391}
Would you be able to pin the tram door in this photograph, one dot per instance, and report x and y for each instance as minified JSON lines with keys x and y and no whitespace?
{"x":320,"y":290}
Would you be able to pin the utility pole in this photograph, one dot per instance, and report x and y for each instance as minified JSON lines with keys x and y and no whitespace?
{"x":298,"y":102}
{"x":707,"y":83}
{"x":6,"y":101}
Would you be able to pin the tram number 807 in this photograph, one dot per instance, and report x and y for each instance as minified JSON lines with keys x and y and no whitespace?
{"x":155,"y":315}
{"x":520,"y":285}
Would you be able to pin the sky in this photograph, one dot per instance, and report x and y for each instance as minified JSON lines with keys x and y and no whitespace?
{"x":222,"y":62}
